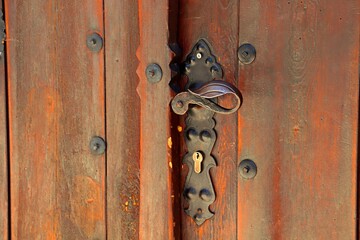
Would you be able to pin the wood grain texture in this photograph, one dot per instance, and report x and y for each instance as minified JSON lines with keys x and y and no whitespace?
{"x":156,"y":204}
{"x":56,"y":99}
{"x":217,"y":22}
{"x":299,"y":120}
{"x":123,"y":119}
{"x":4,"y":233}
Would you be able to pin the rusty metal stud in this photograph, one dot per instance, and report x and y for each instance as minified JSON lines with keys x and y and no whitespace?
{"x":246,"y":53}
{"x":94,"y":42}
{"x":97,"y":145}
{"x":153,"y":73}
{"x":248,"y":169}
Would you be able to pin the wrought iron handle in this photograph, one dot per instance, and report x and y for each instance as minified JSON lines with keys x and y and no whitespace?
{"x":201,"y":97}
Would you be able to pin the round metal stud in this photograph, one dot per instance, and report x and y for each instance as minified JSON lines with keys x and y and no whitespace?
{"x":192,"y":59}
{"x":247,"y":169}
{"x":199,"y":215}
{"x":187,"y":67}
{"x":246,"y":53}
{"x":200,"y":47}
{"x":191,"y":134}
{"x":97,"y":145}
{"x":209,"y":60}
{"x":205,"y":136}
{"x":214,"y":70}
{"x":198,"y":218}
{"x":94,"y":42}
{"x":190,"y":193}
{"x":153,"y":73}
{"x":205,"y":195}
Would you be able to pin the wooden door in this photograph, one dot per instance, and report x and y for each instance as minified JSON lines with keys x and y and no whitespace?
{"x":75,"y":70}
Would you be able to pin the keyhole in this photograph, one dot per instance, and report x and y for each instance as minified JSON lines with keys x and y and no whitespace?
{"x":197,"y":158}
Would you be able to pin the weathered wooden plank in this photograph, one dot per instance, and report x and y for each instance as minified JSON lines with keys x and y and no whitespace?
{"x":156,"y":206}
{"x":217,"y":22}
{"x":56,"y":105}
{"x":299,"y":119}
{"x":123,"y":119}
{"x":4,"y":223}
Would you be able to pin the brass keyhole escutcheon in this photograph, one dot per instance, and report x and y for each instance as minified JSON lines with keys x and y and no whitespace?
{"x":197,"y":158}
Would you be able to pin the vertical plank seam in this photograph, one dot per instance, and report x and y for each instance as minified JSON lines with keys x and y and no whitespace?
{"x":357,"y":227}
{"x":357,"y":214}
{"x":7,"y":155}
{"x":7,"y":92}
{"x":56,"y":70}
{"x":105,"y":124}
{"x":175,"y":173}
{"x":357,"y":222}
{"x":237,"y":79}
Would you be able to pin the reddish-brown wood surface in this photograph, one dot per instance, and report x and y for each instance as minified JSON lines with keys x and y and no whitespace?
{"x":140,"y":162}
{"x":56,"y":105}
{"x":3,"y":152}
{"x":156,"y":204}
{"x":299,"y":119}
{"x":123,"y":119}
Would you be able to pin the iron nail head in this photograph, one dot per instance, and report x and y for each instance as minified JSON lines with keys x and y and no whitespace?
{"x":247,"y":169}
{"x":153,"y":73}
{"x":97,"y":145}
{"x":94,"y":42}
{"x":246,"y":53}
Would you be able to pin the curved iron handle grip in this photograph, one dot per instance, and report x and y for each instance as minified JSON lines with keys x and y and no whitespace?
{"x":201,"y":97}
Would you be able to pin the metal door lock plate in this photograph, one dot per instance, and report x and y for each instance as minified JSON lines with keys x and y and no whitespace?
{"x":199,"y":101}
